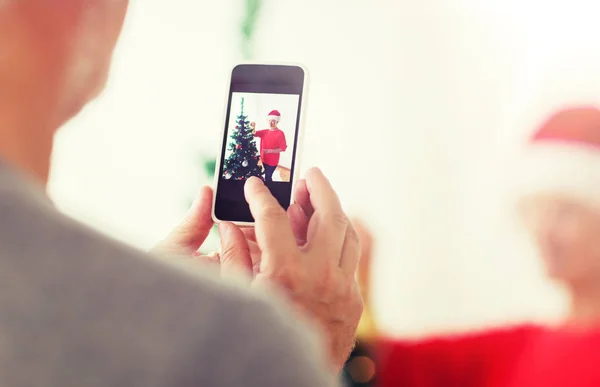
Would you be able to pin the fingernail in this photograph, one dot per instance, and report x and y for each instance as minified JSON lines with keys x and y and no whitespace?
{"x":314,"y":170}
{"x":297,"y":208}
{"x":254,"y":182}
{"x":214,"y":254}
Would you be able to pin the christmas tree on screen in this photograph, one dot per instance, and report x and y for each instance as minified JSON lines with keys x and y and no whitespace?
{"x":242,"y":162}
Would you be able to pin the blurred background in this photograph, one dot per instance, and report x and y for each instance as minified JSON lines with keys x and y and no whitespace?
{"x":415,"y":111}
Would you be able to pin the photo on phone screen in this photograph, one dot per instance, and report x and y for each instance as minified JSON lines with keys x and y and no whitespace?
{"x":260,"y":136}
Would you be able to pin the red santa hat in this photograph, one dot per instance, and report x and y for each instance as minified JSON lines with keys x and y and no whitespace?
{"x":274,"y":115}
{"x":563,"y":157}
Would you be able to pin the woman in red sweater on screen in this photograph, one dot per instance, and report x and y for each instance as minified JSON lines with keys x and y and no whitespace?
{"x":560,"y":203}
{"x":272,"y":143}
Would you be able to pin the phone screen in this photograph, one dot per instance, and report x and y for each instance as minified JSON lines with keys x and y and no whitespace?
{"x":260,"y":136}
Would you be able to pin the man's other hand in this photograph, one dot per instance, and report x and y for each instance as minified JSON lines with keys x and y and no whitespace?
{"x":190,"y":234}
{"x":311,"y":253}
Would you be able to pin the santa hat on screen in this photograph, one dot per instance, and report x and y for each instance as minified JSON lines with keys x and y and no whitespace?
{"x":274,"y":115}
{"x":563,"y":157}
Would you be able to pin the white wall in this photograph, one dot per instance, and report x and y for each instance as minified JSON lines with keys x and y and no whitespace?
{"x":438,"y":93}
{"x":426,"y":86}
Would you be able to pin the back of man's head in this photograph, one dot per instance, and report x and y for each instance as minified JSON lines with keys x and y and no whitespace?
{"x":55,"y":55}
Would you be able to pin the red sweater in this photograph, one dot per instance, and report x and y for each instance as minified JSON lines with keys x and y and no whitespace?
{"x":271,"y":139}
{"x":525,"y":356}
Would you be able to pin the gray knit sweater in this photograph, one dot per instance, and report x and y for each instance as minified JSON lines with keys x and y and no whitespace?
{"x":80,"y":310}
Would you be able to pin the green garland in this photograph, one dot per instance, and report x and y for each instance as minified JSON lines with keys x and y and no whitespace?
{"x":249,"y":26}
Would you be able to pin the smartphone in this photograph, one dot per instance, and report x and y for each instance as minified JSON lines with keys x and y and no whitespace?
{"x":261,"y":136}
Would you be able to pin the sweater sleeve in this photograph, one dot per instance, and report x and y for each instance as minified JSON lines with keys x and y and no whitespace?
{"x":472,"y":360}
{"x":282,"y":142}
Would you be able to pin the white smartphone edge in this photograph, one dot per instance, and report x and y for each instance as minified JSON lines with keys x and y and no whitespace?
{"x":299,"y":136}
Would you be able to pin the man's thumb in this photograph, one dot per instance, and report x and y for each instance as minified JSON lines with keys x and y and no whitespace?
{"x":189,"y":235}
{"x":235,"y":253}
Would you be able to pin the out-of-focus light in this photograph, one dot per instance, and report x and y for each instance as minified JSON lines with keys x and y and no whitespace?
{"x":361,"y":369}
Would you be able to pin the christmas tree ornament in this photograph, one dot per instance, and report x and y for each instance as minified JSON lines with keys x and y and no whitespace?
{"x":245,"y":163}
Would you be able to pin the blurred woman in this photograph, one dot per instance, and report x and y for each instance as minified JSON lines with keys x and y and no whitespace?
{"x":559,"y":201}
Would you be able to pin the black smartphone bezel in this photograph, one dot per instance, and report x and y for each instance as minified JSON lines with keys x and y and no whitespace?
{"x":229,"y":203}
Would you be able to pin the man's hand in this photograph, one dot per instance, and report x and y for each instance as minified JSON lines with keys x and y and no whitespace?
{"x":190,"y":234}
{"x":311,"y":253}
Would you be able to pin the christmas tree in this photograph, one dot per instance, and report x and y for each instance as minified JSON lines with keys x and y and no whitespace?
{"x":242,"y":162}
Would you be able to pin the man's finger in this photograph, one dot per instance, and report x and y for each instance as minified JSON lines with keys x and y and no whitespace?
{"x":299,"y":222}
{"x":351,"y":251}
{"x":255,"y":253}
{"x":302,"y":197}
{"x":250,"y":233}
{"x":364,"y":267}
{"x":189,"y":235}
{"x":235,"y":254}
{"x":366,"y":242}
{"x":211,"y":259}
{"x":272,"y":226}
{"x":327,"y":226}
